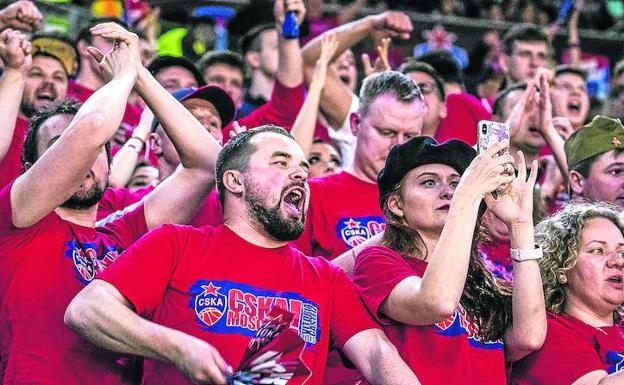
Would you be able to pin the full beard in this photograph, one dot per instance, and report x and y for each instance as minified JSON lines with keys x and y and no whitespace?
{"x":27,"y":109}
{"x":83,"y":200}
{"x":271,"y":219}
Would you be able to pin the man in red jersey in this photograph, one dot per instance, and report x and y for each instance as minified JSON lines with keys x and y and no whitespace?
{"x":35,"y":76}
{"x":236,"y":272}
{"x":344,"y":207}
{"x":50,"y":247}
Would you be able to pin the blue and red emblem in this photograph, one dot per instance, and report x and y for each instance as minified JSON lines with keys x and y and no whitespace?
{"x":461,"y":323}
{"x":354,"y":231}
{"x":616,"y":361}
{"x":210,"y":305}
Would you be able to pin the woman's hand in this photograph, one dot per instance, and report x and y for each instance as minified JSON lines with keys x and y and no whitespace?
{"x":515,"y":204}
{"x":488,"y":172}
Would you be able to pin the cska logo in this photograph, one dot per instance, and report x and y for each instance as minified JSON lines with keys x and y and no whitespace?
{"x":210,"y":305}
{"x":355,"y":231}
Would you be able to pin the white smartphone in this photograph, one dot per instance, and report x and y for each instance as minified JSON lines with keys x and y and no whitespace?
{"x":490,"y":132}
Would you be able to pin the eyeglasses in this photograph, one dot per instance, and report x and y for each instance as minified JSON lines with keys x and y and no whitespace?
{"x":427,"y":87}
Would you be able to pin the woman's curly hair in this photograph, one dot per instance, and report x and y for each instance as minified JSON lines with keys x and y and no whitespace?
{"x":560,"y":237}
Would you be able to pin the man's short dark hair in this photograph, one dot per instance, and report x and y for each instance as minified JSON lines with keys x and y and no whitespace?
{"x":445,"y":65}
{"x":236,"y":153}
{"x":60,"y":107}
{"x":230,"y":58}
{"x":414,"y":65}
{"x":570,"y":69}
{"x":85,"y":32}
{"x":524,"y":33}
{"x":499,"y":101}
{"x":388,"y":82}
{"x":251,"y":39}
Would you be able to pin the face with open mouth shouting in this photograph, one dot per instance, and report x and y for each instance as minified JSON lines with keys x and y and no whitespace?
{"x":46,"y":82}
{"x":596,"y":283}
{"x":276,"y":188}
{"x":569,"y":98}
{"x":345,"y":68}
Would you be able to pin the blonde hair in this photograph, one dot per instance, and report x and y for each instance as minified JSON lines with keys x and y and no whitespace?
{"x":560,"y":237}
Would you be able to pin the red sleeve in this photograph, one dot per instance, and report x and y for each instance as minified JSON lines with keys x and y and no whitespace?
{"x":563,"y":359}
{"x":210,"y":213}
{"x":142,"y":273}
{"x":9,"y":231}
{"x":6,"y":211}
{"x":376,"y":273}
{"x":348,"y":314}
{"x":11,"y":164}
{"x":281,"y":109}
{"x":129,"y":227}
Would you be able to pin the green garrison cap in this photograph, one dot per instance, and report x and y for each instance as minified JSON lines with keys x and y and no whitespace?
{"x":600,"y":135}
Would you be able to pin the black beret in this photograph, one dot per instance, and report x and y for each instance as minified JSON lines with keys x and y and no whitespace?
{"x":405,"y":157}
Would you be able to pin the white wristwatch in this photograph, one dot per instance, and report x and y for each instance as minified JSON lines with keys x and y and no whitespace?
{"x":520,"y":255}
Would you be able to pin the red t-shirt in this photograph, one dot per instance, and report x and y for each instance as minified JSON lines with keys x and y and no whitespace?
{"x":571,"y":350}
{"x":464,"y":111}
{"x":131,"y":117}
{"x":116,"y":200}
{"x":210,"y":283}
{"x":344,"y":212}
{"x":449,"y":352}
{"x":11,"y":164}
{"x":281,"y":109}
{"x":42,"y":268}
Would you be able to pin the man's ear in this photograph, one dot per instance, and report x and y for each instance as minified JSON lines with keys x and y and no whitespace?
{"x":82,"y":49}
{"x":576,"y":182}
{"x":504,"y":63}
{"x":253,"y":59}
{"x":354,"y":119}
{"x":443,"y":111}
{"x":233,"y":182}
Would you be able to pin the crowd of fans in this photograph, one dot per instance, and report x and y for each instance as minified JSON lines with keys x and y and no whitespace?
{"x":156,"y":210}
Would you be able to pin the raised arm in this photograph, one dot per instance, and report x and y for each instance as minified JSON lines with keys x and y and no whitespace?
{"x":515,"y":208}
{"x":554,"y":138}
{"x":336,"y":97}
{"x":435,"y":297}
{"x":103,"y":316}
{"x":303,"y":129}
{"x":22,"y":15}
{"x":177,"y":198}
{"x":46,"y":185}
{"x":126,"y":158}
{"x":15,"y":53}
{"x":377,"y":359}
{"x":290,"y":65}
{"x":573,"y":36}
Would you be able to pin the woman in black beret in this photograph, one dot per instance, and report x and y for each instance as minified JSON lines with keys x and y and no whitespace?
{"x":450,"y":319}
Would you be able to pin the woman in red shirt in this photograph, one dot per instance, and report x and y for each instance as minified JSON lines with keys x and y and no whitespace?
{"x":450,"y":319}
{"x":583,"y":273}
